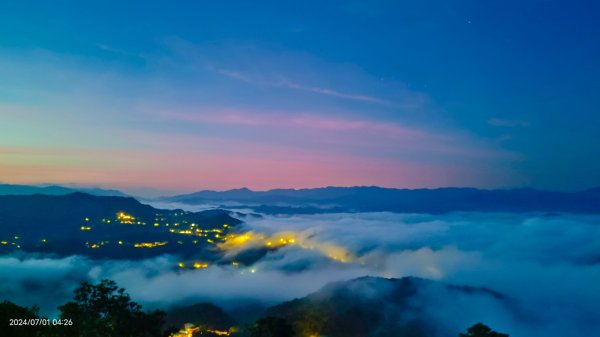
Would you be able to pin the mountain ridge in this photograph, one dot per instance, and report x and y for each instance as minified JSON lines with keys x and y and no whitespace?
{"x":16,"y":189}
{"x":373,"y":198}
{"x":375,"y":307}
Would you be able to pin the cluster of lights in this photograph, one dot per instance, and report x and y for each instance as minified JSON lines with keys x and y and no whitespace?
{"x":278,"y":240}
{"x":128,"y":219}
{"x":274,"y":241}
{"x":220,"y":332}
{"x":148,"y":244}
{"x":97,"y":245}
{"x":196,"y":231}
{"x":216,"y":234}
{"x":200,"y":265}
{"x":195,"y":265}
{"x":15,"y":244}
{"x":190,"y":330}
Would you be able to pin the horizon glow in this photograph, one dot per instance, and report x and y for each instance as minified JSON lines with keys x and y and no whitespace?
{"x":155,"y":99}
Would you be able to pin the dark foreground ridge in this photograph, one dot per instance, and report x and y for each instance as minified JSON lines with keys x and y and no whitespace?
{"x":377,"y":307}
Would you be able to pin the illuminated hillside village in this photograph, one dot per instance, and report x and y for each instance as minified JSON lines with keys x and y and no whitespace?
{"x":178,"y":234}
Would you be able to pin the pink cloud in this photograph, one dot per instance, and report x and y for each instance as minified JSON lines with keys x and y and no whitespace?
{"x":345,"y":134}
{"x":284,"y":119}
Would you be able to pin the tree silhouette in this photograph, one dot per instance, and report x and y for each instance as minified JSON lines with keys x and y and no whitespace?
{"x":481,"y":330}
{"x":105,"y":310}
{"x":9,"y":310}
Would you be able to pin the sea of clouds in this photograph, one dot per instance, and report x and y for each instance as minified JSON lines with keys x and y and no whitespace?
{"x":548,"y":265}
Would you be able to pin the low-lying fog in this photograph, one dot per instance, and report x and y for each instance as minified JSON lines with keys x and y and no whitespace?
{"x":549,"y":264}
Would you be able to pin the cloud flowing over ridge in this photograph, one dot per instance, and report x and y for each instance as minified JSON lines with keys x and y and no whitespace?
{"x":547,"y":264}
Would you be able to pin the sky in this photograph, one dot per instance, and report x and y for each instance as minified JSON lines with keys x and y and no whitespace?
{"x":155,"y":97}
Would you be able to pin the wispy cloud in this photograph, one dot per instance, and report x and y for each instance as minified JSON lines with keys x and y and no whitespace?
{"x":286,"y":83}
{"x":287,"y":119}
{"x":300,"y":72}
{"x":349,"y":133}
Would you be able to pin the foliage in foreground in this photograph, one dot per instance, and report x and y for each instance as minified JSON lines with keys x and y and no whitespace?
{"x":481,"y":330}
{"x":102,"y":310}
{"x":9,"y":310}
{"x":105,"y":310}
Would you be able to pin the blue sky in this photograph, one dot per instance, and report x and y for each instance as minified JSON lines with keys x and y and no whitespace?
{"x":300,"y":94}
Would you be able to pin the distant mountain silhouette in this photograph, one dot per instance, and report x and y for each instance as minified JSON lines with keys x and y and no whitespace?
{"x":379,"y":307}
{"x":9,"y":189}
{"x":371,"y":198}
{"x":80,"y":223}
